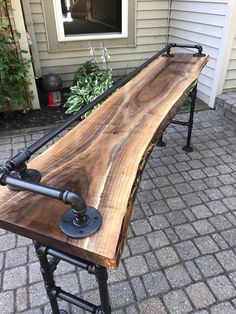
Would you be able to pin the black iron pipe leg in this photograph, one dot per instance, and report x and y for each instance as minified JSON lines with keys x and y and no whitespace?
{"x":188,"y":148}
{"x":102,"y":278}
{"x":161,"y":143}
{"x":47,"y":275}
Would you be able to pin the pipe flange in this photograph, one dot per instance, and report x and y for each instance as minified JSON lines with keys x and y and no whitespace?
{"x":73,"y":229}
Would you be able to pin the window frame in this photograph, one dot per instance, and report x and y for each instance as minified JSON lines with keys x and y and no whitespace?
{"x":90,"y":36}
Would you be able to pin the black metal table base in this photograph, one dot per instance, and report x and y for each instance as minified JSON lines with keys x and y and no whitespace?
{"x":54,"y":293}
{"x":187,"y":148}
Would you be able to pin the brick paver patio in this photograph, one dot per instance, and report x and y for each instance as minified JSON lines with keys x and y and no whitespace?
{"x":180,"y":256}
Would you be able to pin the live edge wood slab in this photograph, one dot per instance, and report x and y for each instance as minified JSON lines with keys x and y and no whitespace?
{"x":102,"y":159}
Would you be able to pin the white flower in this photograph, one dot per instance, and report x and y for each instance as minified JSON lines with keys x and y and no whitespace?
{"x":103,"y":58}
{"x":104,"y":53}
{"x":91,"y":51}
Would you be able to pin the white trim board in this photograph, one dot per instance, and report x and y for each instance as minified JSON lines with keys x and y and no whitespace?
{"x":225,"y":48}
{"x":30,"y":28}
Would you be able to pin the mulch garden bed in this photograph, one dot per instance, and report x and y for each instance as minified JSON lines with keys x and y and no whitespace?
{"x":34,"y":118}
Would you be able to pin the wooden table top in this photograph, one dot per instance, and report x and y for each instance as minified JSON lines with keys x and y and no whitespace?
{"x":102,"y":159}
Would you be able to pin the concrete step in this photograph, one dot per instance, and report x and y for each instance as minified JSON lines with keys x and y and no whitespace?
{"x":226,"y":105}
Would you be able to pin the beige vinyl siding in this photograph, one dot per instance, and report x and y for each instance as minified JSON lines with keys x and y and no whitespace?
{"x":230,"y":81}
{"x":151,"y":30}
{"x":200,"y":21}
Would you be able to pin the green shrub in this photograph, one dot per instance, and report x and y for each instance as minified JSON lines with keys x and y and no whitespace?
{"x":13,"y":72}
{"x":89,"y":83}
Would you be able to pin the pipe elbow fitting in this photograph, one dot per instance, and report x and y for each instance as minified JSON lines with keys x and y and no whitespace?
{"x":75,"y":200}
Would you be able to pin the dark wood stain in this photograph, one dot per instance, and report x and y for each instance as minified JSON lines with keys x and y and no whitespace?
{"x":102,"y":158}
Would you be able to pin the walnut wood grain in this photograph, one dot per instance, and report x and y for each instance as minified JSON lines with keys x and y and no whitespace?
{"x":102,"y":159}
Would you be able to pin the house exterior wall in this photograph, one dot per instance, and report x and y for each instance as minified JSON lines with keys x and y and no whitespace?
{"x":151,"y":31}
{"x":230,"y":80}
{"x":199,"y":21}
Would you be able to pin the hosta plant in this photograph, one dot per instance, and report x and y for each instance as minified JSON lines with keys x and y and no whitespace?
{"x":89,"y":82}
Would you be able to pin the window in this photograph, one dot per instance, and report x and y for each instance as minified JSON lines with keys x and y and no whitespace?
{"x":57,"y":40}
{"x":91,"y":19}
